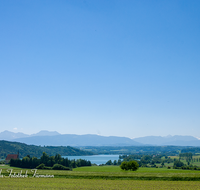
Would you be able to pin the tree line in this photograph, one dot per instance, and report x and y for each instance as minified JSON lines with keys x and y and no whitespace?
{"x":47,"y":162}
{"x":139,"y":150}
{"x":182,"y":161}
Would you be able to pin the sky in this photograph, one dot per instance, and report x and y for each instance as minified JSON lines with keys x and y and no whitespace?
{"x":127,"y":68}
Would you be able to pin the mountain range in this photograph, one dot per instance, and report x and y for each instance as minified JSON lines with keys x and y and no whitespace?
{"x":53,"y":138}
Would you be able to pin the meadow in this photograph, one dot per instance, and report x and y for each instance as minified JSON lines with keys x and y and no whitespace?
{"x":115,"y":173}
{"x":60,"y":183}
{"x":105,"y":177}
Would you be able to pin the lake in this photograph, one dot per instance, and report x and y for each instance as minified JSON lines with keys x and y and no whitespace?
{"x":95,"y":159}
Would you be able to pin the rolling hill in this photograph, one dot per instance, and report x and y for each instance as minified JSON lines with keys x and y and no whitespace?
{"x":7,"y":147}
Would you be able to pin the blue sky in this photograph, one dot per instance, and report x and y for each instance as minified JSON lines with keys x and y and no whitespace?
{"x":114,"y":68}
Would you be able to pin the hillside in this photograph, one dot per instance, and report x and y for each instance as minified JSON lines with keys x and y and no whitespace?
{"x":7,"y":147}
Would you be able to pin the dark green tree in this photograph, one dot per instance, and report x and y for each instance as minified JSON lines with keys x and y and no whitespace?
{"x":109,"y":162}
{"x":26,"y":162}
{"x":131,"y":165}
{"x":178,"y":164}
{"x":119,"y":162}
{"x":44,"y":158}
{"x":124,"y":165}
{"x":115,"y":162}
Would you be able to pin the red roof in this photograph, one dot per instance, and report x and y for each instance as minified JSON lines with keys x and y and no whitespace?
{"x":13,"y":156}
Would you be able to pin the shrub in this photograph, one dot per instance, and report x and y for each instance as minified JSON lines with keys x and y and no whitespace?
{"x":41,"y":166}
{"x":59,"y":167}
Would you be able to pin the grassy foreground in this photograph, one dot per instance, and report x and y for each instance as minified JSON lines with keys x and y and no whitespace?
{"x":35,"y":183}
{"x":105,"y":177}
{"x":115,"y":173}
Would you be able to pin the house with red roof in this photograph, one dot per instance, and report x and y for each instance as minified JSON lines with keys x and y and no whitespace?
{"x":11,"y":156}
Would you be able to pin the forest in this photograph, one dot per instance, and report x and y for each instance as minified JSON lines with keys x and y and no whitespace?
{"x":7,"y":147}
{"x":48,"y":162}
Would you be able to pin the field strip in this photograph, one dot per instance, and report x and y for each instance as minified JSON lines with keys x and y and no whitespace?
{"x":60,"y":183}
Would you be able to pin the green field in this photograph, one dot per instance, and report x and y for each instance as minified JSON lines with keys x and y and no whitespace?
{"x":140,"y":170}
{"x":59,"y":183}
{"x":105,"y":177}
{"x":115,"y":173}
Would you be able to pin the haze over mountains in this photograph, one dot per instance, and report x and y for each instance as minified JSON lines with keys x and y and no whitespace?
{"x":53,"y":138}
{"x":7,"y":135}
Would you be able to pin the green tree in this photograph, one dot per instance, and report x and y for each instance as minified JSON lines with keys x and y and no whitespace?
{"x":115,"y":162}
{"x":119,"y":162}
{"x":109,"y":162}
{"x":131,"y":165}
{"x":25,"y":162}
{"x":146,"y":159}
{"x":58,"y":158}
{"x":44,"y":158}
{"x":178,"y":164}
{"x":73,"y":163}
{"x":124,"y":165}
{"x":35,"y":162}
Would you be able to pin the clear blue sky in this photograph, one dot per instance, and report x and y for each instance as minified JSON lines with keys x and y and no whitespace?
{"x":110,"y":67}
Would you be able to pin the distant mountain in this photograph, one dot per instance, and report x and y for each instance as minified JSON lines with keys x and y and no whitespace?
{"x":78,"y":140}
{"x":176,"y":140}
{"x":46,"y":133}
{"x":53,"y":138}
{"x":7,"y":147}
{"x":7,"y":135}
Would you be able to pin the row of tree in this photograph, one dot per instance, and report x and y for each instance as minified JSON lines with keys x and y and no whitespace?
{"x":48,"y":161}
{"x":144,"y":160}
{"x":187,"y":156}
{"x":139,"y":150}
{"x":115,"y":162}
{"x":152,"y":160}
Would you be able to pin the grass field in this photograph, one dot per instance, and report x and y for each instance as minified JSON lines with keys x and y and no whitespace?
{"x":105,"y":177}
{"x":34,"y":183}
{"x":115,"y":173}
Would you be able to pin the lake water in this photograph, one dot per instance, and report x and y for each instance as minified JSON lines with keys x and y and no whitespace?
{"x":95,"y":159}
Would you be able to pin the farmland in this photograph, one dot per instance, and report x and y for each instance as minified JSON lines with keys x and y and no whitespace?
{"x":104,"y":177}
{"x":115,"y":173}
{"x":33,"y":183}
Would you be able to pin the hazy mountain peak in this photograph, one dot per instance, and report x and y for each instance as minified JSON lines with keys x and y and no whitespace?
{"x":7,"y":135}
{"x":46,"y":133}
{"x":53,"y":138}
{"x":168,"y":136}
{"x":168,"y":140}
